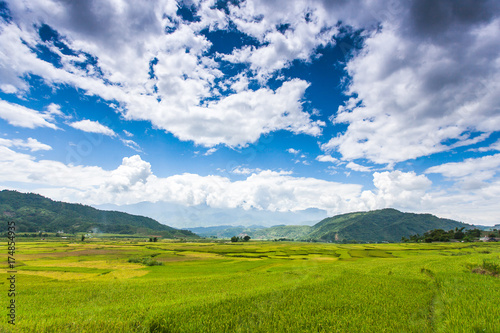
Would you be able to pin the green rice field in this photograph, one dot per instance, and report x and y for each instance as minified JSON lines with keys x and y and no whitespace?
{"x":131,"y":286}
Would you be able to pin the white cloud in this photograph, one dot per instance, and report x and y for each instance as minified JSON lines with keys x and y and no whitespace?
{"x":393,"y":77}
{"x":23,"y":168}
{"x":472,"y":173}
{"x":237,"y":119}
{"x":326,"y":158}
{"x":421,"y":90}
{"x":468,"y":167}
{"x":210,"y":151}
{"x":132,"y":145}
{"x":494,"y":146}
{"x":297,"y":32}
{"x":133,"y":182}
{"x":30,"y":143}
{"x":357,"y":167}
{"x":55,"y":110}
{"x":400,"y":187}
{"x":293,"y":151}
{"x":174,"y":98}
{"x":244,"y":171}
{"x":18,"y":115}
{"x":420,"y":86}
{"x":92,"y":127}
{"x":127,"y":133}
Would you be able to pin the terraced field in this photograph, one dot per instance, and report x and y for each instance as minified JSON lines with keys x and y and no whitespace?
{"x":106,"y":286}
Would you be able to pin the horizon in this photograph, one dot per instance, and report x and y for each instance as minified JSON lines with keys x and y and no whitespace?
{"x":203,"y":110}
{"x":249,"y":226}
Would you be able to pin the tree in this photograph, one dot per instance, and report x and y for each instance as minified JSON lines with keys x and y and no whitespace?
{"x":155,"y":240}
{"x":246,"y":238}
{"x":476,"y":233}
{"x":234,"y":239}
{"x":83,"y":238}
{"x":459,"y":233}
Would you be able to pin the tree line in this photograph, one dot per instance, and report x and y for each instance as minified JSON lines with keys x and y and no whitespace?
{"x":440,"y":235}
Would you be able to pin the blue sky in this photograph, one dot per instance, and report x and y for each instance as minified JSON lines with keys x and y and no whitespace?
{"x":253,"y":112}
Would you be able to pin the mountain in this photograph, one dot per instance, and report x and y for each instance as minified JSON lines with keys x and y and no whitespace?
{"x":224,"y":231}
{"x":180,"y":216}
{"x":297,"y":232}
{"x":379,"y":225}
{"x":373,"y":226}
{"x":33,"y":212}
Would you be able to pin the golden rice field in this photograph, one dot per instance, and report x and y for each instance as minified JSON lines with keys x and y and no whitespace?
{"x":105,"y":286}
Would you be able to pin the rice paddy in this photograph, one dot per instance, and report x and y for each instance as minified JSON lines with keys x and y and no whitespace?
{"x":108,"y":286}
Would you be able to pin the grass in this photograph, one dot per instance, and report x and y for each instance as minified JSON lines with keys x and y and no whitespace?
{"x":108,"y":286}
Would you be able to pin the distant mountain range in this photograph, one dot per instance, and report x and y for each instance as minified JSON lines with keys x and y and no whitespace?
{"x":373,"y":226}
{"x":33,"y":213}
{"x":180,"y":216}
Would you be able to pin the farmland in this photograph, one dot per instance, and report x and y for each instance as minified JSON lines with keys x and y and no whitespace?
{"x":107,"y":286}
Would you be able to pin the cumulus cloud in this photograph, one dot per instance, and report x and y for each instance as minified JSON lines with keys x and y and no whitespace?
{"x":168,"y":78}
{"x":236,"y":119}
{"x":326,"y":158}
{"x":133,"y":181}
{"x":30,"y":143}
{"x":18,"y":115}
{"x":358,"y":167}
{"x":24,"y":168}
{"x":92,"y":127}
{"x":297,"y":32}
{"x":423,"y":82}
{"x":472,"y":173}
{"x":303,"y":30}
{"x":468,"y":167}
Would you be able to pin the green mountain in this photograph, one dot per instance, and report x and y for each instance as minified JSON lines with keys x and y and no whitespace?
{"x":373,"y":226}
{"x":378,"y":225}
{"x":255,"y":232}
{"x":33,"y":212}
{"x":296,"y":232}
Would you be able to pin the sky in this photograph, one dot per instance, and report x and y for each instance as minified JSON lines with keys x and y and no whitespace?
{"x":253,"y":112}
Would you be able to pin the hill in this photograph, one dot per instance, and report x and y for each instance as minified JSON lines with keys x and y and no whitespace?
{"x":296,"y":232}
{"x":224,"y":231}
{"x":33,"y":212}
{"x":373,"y":226}
{"x":379,"y":225}
{"x":255,"y":232}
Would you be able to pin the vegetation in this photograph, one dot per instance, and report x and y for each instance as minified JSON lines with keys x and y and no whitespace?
{"x":108,"y":286}
{"x":34,"y":213}
{"x":379,"y":225}
{"x":374,"y":226}
{"x":235,"y":239}
{"x":439,"y":235}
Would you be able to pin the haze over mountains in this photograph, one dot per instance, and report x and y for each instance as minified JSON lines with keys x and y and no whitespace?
{"x":180,"y":216}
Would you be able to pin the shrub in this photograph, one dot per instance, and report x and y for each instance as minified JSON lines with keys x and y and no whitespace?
{"x":146,"y":261}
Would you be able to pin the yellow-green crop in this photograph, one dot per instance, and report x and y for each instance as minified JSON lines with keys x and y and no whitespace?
{"x":254,"y":287}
